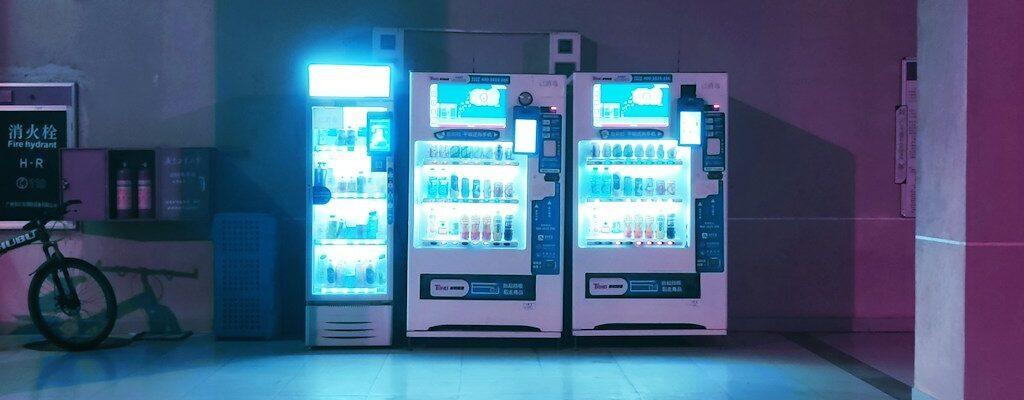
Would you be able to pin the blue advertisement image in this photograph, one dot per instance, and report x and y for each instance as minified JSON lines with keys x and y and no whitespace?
{"x":631,"y":105}
{"x":467,"y":105}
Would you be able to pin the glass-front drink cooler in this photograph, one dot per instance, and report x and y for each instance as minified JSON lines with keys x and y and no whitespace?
{"x":350,"y":246}
{"x":469,"y":195}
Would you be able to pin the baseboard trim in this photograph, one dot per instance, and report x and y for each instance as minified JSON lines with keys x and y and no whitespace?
{"x":919,"y":395}
{"x":822,"y":324}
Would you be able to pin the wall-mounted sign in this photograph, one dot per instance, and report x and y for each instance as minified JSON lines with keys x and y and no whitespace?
{"x":30,"y":159}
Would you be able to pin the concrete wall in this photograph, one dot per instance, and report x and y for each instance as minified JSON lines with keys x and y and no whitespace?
{"x":145,"y":79}
{"x":816,"y":241}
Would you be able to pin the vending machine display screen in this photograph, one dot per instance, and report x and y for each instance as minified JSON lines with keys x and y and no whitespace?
{"x":631,"y":105}
{"x":467,"y":105}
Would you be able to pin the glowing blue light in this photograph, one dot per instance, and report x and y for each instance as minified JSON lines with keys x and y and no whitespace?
{"x":689,"y":128}
{"x":349,"y":80}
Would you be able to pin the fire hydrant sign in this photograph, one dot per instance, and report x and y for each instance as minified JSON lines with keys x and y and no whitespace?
{"x":30,"y":161}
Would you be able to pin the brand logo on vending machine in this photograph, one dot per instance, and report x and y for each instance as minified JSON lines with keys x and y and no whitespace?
{"x":448,"y":288}
{"x":607,"y":286}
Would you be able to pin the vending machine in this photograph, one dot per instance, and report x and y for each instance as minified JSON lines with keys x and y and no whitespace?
{"x":485,"y":230}
{"x":350,"y":205}
{"x":649,"y":206}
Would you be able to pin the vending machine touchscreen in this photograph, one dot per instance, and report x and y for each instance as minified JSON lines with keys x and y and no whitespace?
{"x":649,"y":175}
{"x":486,"y":192}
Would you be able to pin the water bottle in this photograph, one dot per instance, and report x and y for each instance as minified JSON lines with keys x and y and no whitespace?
{"x":649,"y":187}
{"x":616,"y":185}
{"x":454,"y":186}
{"x":659,"y":232}
{"x":497,"y":227}
{"x":361,"y":183}
{"x":465,"y":188}
{"x":595,"y":183}
{"x":498,"y":153}
{"x":431,"y":187}
{"x":498,"y":190}
{"x":649,"y":152}
{"x":464,"y":229}
{"x":670,"y":230}
{"x":661,"y":152}
{"x":485,"y":230}
{"x":476,"y":188}
{"x":638,"y":150}
{"x":627,"y":223}
{"x":617,"y":150}
{"x":453,"y":227}
{"x":332,"y":275}
{"x":474,"y":233}
{"x":606,"y":150}
{"x":485,"y":187}
{"x":627,"y":151}
{"x":627,"y":186}
{"x":442,"y":187}
{"x":594,"y":151}
{"x":508,"y":228}
{"x":606,"y":184}
{"x":373,"y":224}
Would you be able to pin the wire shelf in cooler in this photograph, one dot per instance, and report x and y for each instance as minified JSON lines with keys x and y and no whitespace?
{"x":632,"y":161}
{"x":633,"y":242}
{"x":471,"y":162}
{"x":640,"y":200}
{"x":459,"y":244}
{"x":472,"y":201}
{"x":351,"y":242}
{"x":359,"y":196}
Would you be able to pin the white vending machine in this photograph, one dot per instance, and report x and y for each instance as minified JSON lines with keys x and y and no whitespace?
{"x":649,"y":229}
{"x":350,"y":205}
{"x":486,"y":188}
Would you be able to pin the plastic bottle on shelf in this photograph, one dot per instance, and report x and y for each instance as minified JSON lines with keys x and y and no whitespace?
{"x":369,"y":275}
{"x":351,"y":140}
{"x":595,"y":183}
{"x":332,"y":228}
{"x":453,"y":227}
{"x":617,"y":150}
{"x":499,"y":189}
{"x":616,"y":185}
{"x":474,"y":233}
{"x":671,"y":155}
{"x":648,"y":227}
{"x":485,"y":229}
{"x":348,"y":275}
{"x":321,"y":270}
{"x":508,"y":228}
{"x":485,"y":189}
{"x":476,"y":188}
{"x":649,"y":187}
{"x":372,"y":225}
{"x":464,"y":229}
{"x":442,"y":187}
{"x":361,"y":183}
{"x":431,"y":151}
{"x":431,"y":224}
{"x":606,"y":150}
{"x":670,"y":187}
{"x":510,"y":190}
{"x":627,"y":186}
{"x":627,"y":223}
{"x":606,"y":183}
{"x":431,"y":187}
{"x":627,"y":150}
{"x":649,"y":151}
{"x":659,"y":231}
{"x":454,"y":186}
{"x":497,"y":227}
{"x":442,"y":228}
{"x":318,"y":174}
{"x":617,"y":228}
{"x":661,"y":152}
{"x":595,"y":151}
{"x":498,"y":153}
{"x":465,"y":188}
{"x":638,"y":150}
{"x":670,"y":227}
{"x":659,"y":187}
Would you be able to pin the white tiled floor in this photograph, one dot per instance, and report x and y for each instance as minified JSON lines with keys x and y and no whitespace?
{"x":889,"y":352}
{"x":748,"y":366}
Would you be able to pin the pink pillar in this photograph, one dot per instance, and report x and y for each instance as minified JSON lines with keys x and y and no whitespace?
{"x":970,"y":222}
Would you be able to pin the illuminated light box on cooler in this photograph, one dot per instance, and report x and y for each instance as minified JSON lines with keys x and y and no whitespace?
{"x":689,"y":128}
{"x":326,"y":80}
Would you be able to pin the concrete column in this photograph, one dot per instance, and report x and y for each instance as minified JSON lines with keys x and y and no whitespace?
{"x":970,"y":221}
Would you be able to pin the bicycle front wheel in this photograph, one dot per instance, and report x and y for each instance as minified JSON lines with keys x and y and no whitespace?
{"x":72,"y":304}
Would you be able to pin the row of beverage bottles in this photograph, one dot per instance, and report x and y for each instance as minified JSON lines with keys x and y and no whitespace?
{"x":349,"y":273}
{"x":453,"y":187}
{"x":619,"y":150}
{"x":495,"y":153}
{"x":342,"y":228}
{"x":608,"y":185}
{"x":361,"y":183}
{"x":346,"y":138}
{"x":638,"y":226}
{"x":471,"y":227}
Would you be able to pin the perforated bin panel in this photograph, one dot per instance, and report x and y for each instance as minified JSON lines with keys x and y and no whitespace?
{"x":245,"y":252}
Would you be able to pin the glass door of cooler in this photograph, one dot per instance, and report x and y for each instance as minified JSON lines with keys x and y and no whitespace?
{"x":633,"y":193}
{"x":469,"y":194}
{"x":350,"y":246}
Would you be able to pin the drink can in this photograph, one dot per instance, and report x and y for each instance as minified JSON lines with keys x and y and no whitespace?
{"x":431,"y":187}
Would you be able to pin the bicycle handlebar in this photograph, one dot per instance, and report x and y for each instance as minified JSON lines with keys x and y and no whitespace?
{"x":51,"y":215}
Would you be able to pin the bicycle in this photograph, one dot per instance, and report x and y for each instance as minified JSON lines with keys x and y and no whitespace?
{"x":70,"y":301}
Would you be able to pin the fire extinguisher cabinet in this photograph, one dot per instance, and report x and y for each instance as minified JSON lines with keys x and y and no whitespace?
{"x":175,"y":183}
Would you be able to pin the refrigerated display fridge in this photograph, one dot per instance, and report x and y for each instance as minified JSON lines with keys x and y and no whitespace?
{"x":649,"y":207}
{"x":350,"y":205}
{"x":485,"y":250}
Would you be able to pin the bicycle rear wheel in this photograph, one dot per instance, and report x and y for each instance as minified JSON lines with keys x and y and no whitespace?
{"x":68,"y":323}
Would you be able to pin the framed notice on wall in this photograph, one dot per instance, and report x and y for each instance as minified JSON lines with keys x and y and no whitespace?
{"x":36,"y":121}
